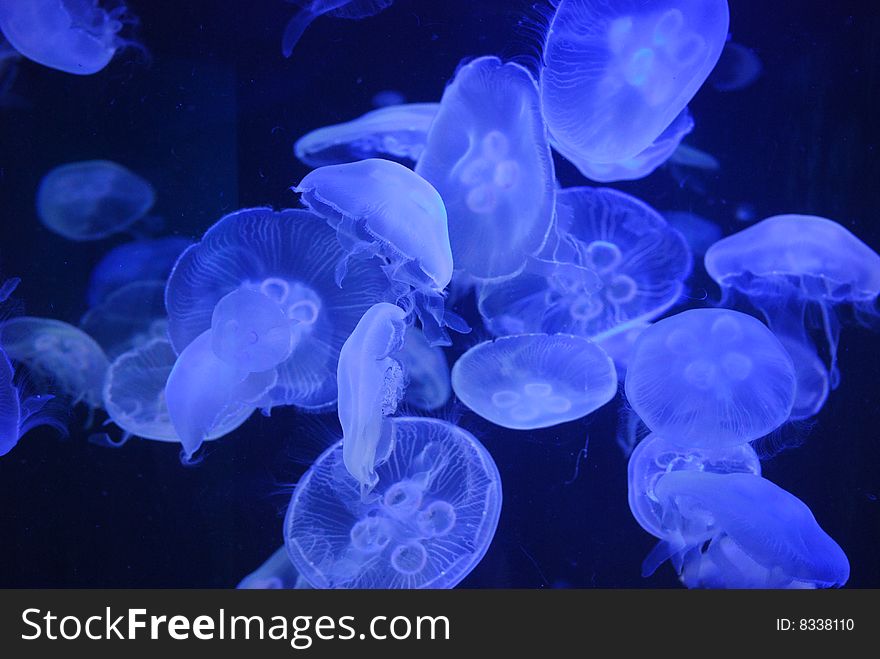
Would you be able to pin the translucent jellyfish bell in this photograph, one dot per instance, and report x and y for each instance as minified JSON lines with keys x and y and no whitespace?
{"x":738,"y":68}
{"x":699,"y":232}
{"x":276,"y":573}
{"x":710,"y":378}
{"x":312,"y":9}
{"x":76,"y":36}
{"x":398,"y":132}
{"x":130,"y":316}
{"x":615,"y":75}
{"x":288,"y":256}
{"x":427,"y":524}
{"x":534,"y":380}
{"x":92,"y":199}
{"x":428,"y":387}
{"x":758,"y":535}
{"x":371,"y":383}
{"x":488,"y":156}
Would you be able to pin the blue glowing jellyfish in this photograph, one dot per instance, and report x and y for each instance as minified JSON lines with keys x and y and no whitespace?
{"x":398,"y":132}
{"x":615,"y":75}
{"x":788,"y":265}
{"x":371,"y":383}
{"x":710,"y":378}
{"x":428,"y":387}
{"x":488,"y":156}
{"x":534,"y":380}
{"x":139,"y":260}
{"x":699,"y":232}
{"x":656,"y":456}
{"x":312,"y":9}
{"x":92,"y":199}
{"x":62,"y":353}
{"x":381,"y":207}
{"x":690,"y":156}
{"x":427,"y":523}
{"x":619,"y":346}
{"x":76,"y":36}
{"x":276,"y":573}
{"x":617,"y":263}
{"x":128,"y":317}
{"x":290,"y":257}
{"x":739,"y":530}
{"x":738,"y":68}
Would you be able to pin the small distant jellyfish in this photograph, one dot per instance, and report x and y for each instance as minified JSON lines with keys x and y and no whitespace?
{"x":276,"y":573}
{"x":388,"y":97}
{"x":690,"y":156}
{"x":489,"y":157}
{"x":380,"y":207}
{"x":617,"y":263}
{"x":396,"y":132}
{"x":288,"y":256}
{"x":428,"y":387}
{"x":710,"y":378}
{"x":615,"y":75}
{"x":128,"y":317}
{"x":787,"y":265}
{"x":312,"y":9}
{"x":427,"y":524}
{"x":655,"y":456}
{"x":532,"y":381}
{"x":739,"y":530}
{"x":371,"y":383}
{"x":62,"y":353}
{"x":93,"y":199}
{"x":139,"y":260}
{"x":75,"y":36}
{"x":739,"y":67}
{"x":699,"y":232}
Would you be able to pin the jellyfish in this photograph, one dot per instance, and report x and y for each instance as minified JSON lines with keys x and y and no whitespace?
{"x":312,"y":9}
{"x":59,"y":352}
{"x":388,"y":97}
{"x":128,"y":317}
{"x":427,"y":524}
{"x":139,"y":260}
{"x":371,"y":384}
{"x":738,"y":68}
{"x":9,"y":58}
{"x":92,"y":199}
{"x":134,"y":395}
{"x":619,"y":346}
{"x":615,"y":75}
{"x":75,"y":36}
{"x":710,"y":378}
{"x":288,"y":256}
{"x":427,"y":373}
{"x":381,"y":207}
{"x":699,"y":232}
{"x":276,"y":573}
{"x":690,"y":156}
{"x":645,"y":162}
{"x":532,"y":381}
{"x":617,"y":264}
{"x":397,"y":132}
{"x":488,"y":155}
{"x":789,"y":265}
{"x":656,"y":456}
{"x":739,"y":530}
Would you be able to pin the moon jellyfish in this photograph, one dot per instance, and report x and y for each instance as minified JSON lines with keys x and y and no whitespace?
{"x":428,"y":387}
{"x":488,"y":156}
{"x":656,"y":456}
{"x":615,"y":75}
{"x":128,"y":317}
{"x":75,"y":36}
{"x":620,"y":344}
{"x":139,"y":260}
{"x":134,"y":395}
{"x":371,"y":383}
{"x":689,"y":156}
{"x":381,"y":207}
{"x":699,"y":232}
{"x":387,"y":97}
{"x":788,"y":265}
{"x":739,"y":530}
{"x":19,"y":411}
{"x":312,"y":9}
{"x":737,"y":68}
{"x":534,"y":380}
{"x":617,"y":264}
{"x":645,"y":162}
{"x":710,"y":378}
{"x":92,"y":199}
{"x":427,"y":524}
{"x":276,"y":573}
{"x":59,"y":352}
{"x":398,"y":132}
{"x":288,"y":256}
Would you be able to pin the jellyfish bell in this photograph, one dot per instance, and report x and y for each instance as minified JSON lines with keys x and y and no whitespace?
{"x":312,"y":9}
{"x":428,"y":387}
{"x":129,"y":316}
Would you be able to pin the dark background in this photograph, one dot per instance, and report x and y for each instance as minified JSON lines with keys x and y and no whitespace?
{"x":209,"y":117}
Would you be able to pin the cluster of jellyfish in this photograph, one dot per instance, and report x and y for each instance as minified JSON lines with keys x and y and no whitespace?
{"x":345,"y":303}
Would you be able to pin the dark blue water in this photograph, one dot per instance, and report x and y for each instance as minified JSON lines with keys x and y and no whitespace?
{"x":210,"y":119}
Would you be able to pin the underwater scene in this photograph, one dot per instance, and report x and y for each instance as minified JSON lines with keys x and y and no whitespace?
{"x":408,"y":294}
